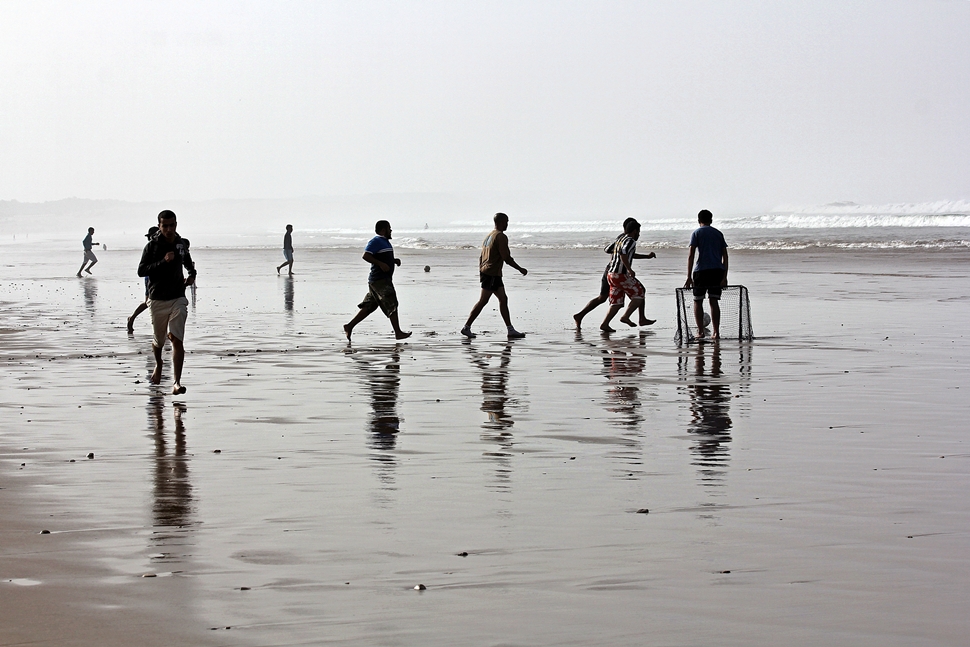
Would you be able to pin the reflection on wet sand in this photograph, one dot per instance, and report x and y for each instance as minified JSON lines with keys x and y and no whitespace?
{"x":621,"y":362}
{"x":495,"y":381}
{"x":288,"y":294}
{"x":382,"y":376}
{"x":90,"y":294}
{"x":172,"y":504}
{"x":710,"y":409}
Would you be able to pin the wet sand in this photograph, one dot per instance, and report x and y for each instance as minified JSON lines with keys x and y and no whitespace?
{"x":807,"y":488}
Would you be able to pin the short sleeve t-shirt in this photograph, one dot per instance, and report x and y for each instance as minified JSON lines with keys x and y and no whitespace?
{"x":624,"y":246}
{"x":381,"y":248}
{"x":709,"y":243}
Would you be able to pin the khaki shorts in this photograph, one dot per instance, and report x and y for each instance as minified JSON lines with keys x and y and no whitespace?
{"x":168,"y":317}
{"x":380,"y":294}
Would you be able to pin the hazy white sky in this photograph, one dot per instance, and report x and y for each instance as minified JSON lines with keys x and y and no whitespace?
{"x":734,"y":105}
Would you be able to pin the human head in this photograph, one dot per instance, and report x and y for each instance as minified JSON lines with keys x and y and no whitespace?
{"x":289,"y":228}
{"x":383,"y":228}
{"x":705,"y":217}
{"x":167,"y":224}
{"x":90,"y":230}
{"x":501,"y":221}
{"x":630,"y":225}
{"x":151,"y":232}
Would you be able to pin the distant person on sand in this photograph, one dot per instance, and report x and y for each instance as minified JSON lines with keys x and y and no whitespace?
{"x":88,"y":254}
{"x":495,"y":254}
{"x":380,"y":289}
{"x":605,"y":289}
{"x":287,"y":250}
{"x":709,"y":273}
{"x":162,"y":261}
{"x":143,"y":306}
{"x":623,"y":280}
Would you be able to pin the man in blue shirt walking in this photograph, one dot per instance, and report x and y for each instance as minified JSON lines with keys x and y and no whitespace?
{"x":380,"y":289}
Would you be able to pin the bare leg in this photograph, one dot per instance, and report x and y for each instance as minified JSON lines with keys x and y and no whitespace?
{"x":699,"y":317}
{"x":398,"y":333}
{"x":83,"y":263}
{"x":93,"y":263}
{"x":634,"y":304}
{"x":605,"y":326}
{"x":716,"y":317}
{"x":503,"y":306}
{"x":478,"y":307}
{"x":142,"y":307}
{"x":178,"y":356}
{"x":643,"y":316}
{"x":360,"y":316}
{"x":156,"y":377}
{"x":592,"y":305}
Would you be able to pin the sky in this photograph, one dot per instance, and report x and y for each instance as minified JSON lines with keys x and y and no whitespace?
{"x":738,"y":106}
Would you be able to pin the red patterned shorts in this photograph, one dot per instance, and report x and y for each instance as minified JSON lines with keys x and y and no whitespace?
{"x":624,"y":284}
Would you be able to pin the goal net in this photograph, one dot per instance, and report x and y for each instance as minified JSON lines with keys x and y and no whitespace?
{"x":735,"y":315}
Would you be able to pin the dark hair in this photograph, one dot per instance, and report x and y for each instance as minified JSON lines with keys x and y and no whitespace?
{"x":630,"y":224}
{"x":151,"y":232}
{"x":705,"y":217}
{"x":381,"y":226}
{"x":90,"y":229}
{"x":165,"y":215}
{"x":288,"y":227}
{"x":500,"y":216}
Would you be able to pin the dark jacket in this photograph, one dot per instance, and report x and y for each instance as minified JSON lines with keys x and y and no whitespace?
{"x":165,"y":280}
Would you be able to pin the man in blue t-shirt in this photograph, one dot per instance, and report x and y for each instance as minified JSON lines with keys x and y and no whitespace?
{"x":380,"y":288}
{"x":709,"y":273}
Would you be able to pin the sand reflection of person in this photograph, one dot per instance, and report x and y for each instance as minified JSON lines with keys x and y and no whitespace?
{"x":495,"y":381}
{"x":288,"y":295}
{"x":384,"y":423}
{"x":710,"y":408}
{"x":90,"y":295}
{"x":172,"y":506}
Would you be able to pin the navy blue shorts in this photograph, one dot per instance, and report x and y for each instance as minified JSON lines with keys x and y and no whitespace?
{"x":491,"y":283}
{"x":708,"y":281}
{"x":604,"y":287}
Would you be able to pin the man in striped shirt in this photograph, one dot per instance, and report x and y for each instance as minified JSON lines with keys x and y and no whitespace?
{"x":623,"y":280}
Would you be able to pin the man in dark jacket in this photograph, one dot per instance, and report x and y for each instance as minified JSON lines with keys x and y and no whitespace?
{"x":162,"y":263}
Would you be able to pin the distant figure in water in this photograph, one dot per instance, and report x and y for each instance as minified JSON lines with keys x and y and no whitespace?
{"x":143,"y":306}
{"x":287,"y":250}
{"x":162,"y":261}
{"x":380,"y":288}
{"x":623,"y":280}
{"x":495,"y":254}
{"x":709,"y":273}
{"x":88,"y":254}
{"x":605,"y":289}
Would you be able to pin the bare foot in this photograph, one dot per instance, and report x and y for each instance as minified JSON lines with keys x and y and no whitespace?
{"x":131,"y":324}
{"x":277,"y":271}
{"x":88,"y":271}
{"x":578,"y":320}
{"x":627,"y":321}
{"x":397,"y":335}
{"x":178,"y":389}
{"x":606,"y":328}
{"x":348,"y":331}
{"x":156,"y":377}
{"x":79,"y":275}
{"x":647,"y":322}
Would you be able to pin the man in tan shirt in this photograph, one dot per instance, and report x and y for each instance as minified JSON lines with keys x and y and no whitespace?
{"x":495,"y":254}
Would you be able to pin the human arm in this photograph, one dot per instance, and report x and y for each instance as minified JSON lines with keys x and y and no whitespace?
{"x":627,"y":260}
{"x":188,"y":264}
{"x":503,"y":247}
{"x":148,"y":264}
{"x":650,"y":255}
{"x":690,"y":266}
{"x":724,"y":261}
{"x":373,"y":260}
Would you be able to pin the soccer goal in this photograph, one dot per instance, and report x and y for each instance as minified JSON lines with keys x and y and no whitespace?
{"x":735,"y":315}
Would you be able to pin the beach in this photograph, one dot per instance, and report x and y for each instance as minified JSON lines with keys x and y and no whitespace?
{"x":805,"y":488}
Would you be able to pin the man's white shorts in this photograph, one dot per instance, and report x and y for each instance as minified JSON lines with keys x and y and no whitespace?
{"x":168,"y":317}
